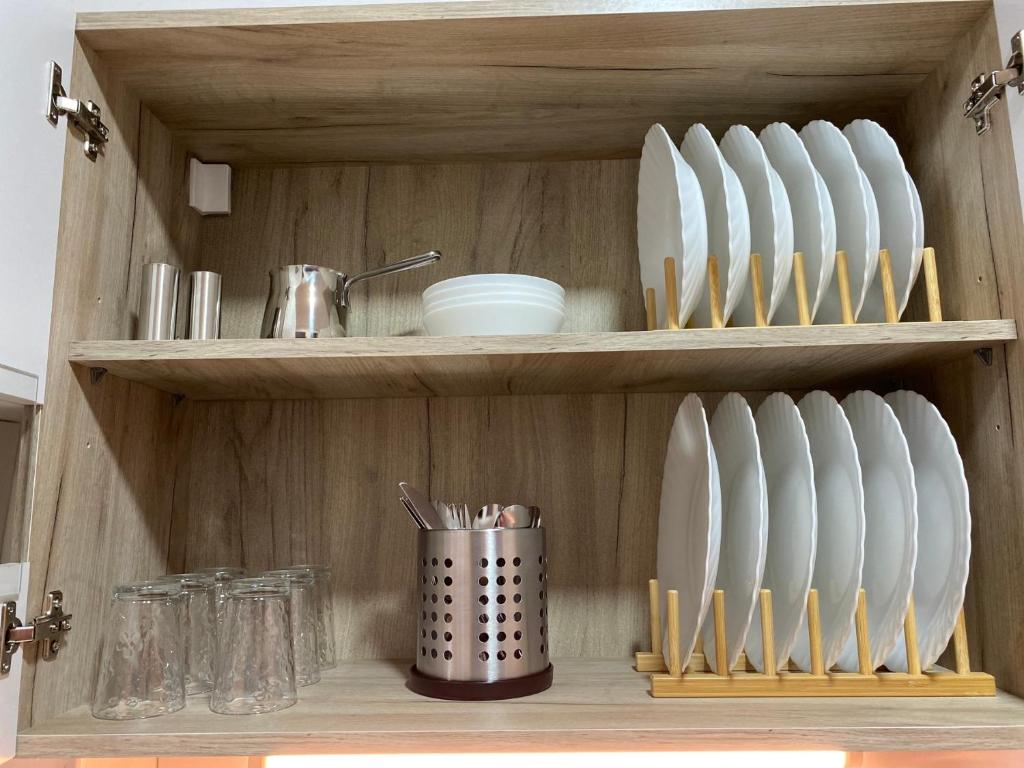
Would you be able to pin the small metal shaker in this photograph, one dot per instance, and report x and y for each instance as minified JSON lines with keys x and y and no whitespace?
{"x":158,"y":310}
{"x":204,"y":305}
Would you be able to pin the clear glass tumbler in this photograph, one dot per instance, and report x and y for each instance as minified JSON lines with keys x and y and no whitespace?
{"x":304,"y":625}
{"x":255,"y":670}
{"x":142,"y":668}
{"x":324,"y":614}
{"x":198,"y":629}
{"x":222,"y":576}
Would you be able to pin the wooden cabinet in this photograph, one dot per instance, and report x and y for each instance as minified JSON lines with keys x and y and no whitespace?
{"x":505,"y":134}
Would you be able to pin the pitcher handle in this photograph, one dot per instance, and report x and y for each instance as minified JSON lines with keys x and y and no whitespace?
{"x":399,"y":266}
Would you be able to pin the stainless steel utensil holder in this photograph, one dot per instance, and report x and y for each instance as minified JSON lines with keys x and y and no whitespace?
{"x":483,"y":621}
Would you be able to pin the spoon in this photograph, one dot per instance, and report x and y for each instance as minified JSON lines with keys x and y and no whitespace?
{"x":487,"y":517}
{"x":515,"y":516}
{"x":534,"y":517}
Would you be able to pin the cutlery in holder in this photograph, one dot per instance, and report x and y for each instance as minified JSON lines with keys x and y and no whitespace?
{"x":483,"y":622}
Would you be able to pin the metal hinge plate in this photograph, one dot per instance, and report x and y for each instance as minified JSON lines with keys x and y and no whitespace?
{"x":83,"y":116}
{"x":989,"y":88}
{"x":48,"y":629}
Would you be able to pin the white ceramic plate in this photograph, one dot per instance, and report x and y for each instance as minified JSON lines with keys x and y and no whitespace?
{"x":890,"y":531}
{"x":792,"y":524}
{"x":918,"y":217}
{"x":943,"y":527}
{"x":670,"y":221}
{"x":744,"y":522}
{"x":881,"y":161}
{"x":814,"y":224}
{"x":834,"y":160}
{"x":771,"y":220}
{"x":727,"y":216}
{"x":690,"y":522}
{"x":839,"y":554}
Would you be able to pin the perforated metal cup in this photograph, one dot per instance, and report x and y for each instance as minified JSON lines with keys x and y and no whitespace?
{"x":483,"y":604}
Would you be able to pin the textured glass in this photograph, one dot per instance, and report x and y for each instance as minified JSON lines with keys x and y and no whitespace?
{"x":324,"y":614}
{"x":303,"y":620}
{"x":197,"y":629}
{"x":254,"y":670}
{"x":222,"y":576}
{"x":142,"y":666}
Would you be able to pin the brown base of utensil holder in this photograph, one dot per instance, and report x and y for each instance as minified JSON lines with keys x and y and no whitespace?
{"x":459,"y":690}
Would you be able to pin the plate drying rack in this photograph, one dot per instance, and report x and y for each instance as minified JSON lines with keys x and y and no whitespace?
{"x":692,"y":678}
{"x":892,"y":314}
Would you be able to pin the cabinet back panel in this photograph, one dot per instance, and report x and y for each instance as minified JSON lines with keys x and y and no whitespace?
{"x":273,"y":483}
{"x":572,"y":222}
{"x":101,"y":507}
{"x":973,"y":219}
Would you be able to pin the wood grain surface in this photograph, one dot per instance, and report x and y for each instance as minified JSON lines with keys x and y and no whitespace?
{"x":594,"y":704}
{"x":973,"y":219}
{"x":689,"y":360}
{"x":104,"y":479}
{"x":512,"y":80}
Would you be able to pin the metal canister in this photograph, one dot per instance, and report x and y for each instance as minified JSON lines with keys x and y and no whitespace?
{"x":482,"y":603}
{"x":158,"y":309}
{"x":204,"y":305}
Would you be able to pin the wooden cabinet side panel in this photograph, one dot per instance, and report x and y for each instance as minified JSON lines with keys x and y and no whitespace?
{"x":104,"y":472}
{"x":973,"y":218}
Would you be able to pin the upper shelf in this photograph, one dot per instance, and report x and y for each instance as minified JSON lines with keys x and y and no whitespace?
{"x":514,"y":79}
{"x":635,"y":361}
{"x":594,"y":704}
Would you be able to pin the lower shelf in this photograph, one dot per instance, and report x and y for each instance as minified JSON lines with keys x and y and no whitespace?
{"x":594,"y":704}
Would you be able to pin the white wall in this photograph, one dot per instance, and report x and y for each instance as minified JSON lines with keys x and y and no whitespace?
{"x":1010,"y":20}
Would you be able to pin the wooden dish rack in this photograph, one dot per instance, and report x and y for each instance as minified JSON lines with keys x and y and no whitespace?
{"x":800,"y":284}
{"x":692,"y":678}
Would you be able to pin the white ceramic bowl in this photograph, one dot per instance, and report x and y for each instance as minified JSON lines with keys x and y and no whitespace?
{"x":494,"y":318}
{"x":535,"y":297}
{"x":471,"y":283}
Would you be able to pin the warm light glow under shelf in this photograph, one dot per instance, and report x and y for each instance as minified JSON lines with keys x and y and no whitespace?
{"x":582,"y":759}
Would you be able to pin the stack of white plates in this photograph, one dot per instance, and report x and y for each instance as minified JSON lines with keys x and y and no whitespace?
{"x":867,"y":493}
{"x":493,"y":305}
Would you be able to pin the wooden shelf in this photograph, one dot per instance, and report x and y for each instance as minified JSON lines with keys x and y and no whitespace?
{"x":659,"y":361}
{"x":595,"y":704}
{"x":512,"y":79}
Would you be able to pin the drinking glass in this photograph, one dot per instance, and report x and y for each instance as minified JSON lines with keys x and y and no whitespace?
{"x":303,"y":618}
{"x":254,"y":670}
{"x":324,"y":614}
{"x":222,"y":575}
{"x":198,"y":620}
{"x":142,"y":670}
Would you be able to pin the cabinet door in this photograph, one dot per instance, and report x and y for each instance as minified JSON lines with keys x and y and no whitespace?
{"x":32,"y":32}
{"x":13,"y":586}
{"x":1010,"y":21}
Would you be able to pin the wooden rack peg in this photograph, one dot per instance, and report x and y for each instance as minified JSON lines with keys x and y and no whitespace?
{"x":767,"y":632}
{"x":931,"y":285}
{"x":863,"y":643}
{"x":721,"y":639}
{"x":655,"y":598}
{"x":892,"y":314}
{"x":674,"y":665}
{"x":652,"y":310}
{"x":803,"y":307}
{"x":714,"y":293}
{"x":910,"y":637}
{"x":843,"y":284}
{"x":814,"y":633}
{"x":757,"y":289}
{"x":671,"y":294}
{"x":960,"y":649}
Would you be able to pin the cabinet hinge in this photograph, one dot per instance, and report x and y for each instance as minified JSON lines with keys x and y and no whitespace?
{"x":987,"y":89}
{"x":48,"y":629}
{"x":83,"y":116}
